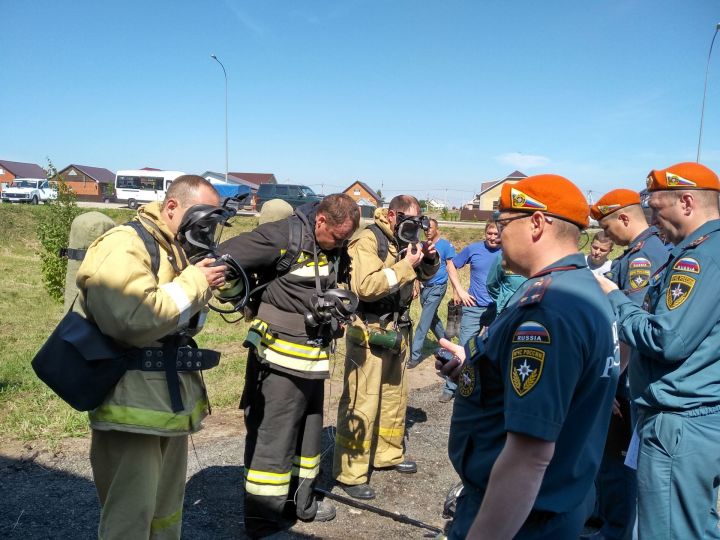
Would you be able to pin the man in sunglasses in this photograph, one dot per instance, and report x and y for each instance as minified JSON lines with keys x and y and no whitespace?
{"x":386,"y":259}
{"x":536,"y":388}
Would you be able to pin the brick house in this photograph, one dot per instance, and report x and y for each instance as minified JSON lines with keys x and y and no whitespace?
{"x":10,"y":170}
{"x":362,"y":194}
{"x":89,"y":183}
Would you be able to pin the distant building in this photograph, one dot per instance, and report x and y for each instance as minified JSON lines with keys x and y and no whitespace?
{"x":10,"y":170}
{"x":363,"y":194}
{"x":488,"y":199}
{"x":89,"y":183}
{"x":435,"y":205}
{"x":255,"y":178}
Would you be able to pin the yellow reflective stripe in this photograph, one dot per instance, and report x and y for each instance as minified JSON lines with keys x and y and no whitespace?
{"x":295,"y":363}
{"x":304,"y":461}
{"x":266,"y":477}
{"x":306,"y":467}
{"x":267,"y":490}
{"x":160,"y":524}
{"x":391,"y":432}
{"x":287,"y":347}
{"x":266,"y":483}
{"x":302,"y":472}
{"x":352,"y":444}
{"x":133,"y":416}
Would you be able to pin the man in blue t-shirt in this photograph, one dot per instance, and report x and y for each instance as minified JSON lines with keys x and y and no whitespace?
{"x":432,"y":293}
{"x":481,"y":257}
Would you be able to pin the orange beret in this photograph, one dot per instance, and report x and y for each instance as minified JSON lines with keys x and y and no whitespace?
{"x":549,"y":193}
{"x":613,"y":201}
{"x":688,"y":175}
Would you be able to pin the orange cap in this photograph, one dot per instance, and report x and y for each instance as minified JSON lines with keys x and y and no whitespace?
{"x":614,"y":201}
{"x":687,"y":175}
{"x":549,"y":193}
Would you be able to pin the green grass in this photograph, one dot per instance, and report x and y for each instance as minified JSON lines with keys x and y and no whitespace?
{"x":28,"y":409}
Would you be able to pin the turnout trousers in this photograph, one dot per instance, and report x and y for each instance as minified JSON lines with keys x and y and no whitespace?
{"x":371,"y":413}
{"x":678,"y":474}
{"x":140,"y":481}
{"x":283,"y":417}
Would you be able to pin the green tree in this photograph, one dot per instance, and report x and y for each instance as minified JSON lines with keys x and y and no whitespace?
{"x":53,"y":233}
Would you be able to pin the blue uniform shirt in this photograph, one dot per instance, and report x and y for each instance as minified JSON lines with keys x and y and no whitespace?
{"x":481,"y":258}
{"x":445,"y":251}
{"x":547,"y":368}
{"x":678,"y":338}
{"x":632,"y":270}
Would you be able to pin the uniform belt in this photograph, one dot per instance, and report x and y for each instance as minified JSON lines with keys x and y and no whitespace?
{"x":185,"y":359}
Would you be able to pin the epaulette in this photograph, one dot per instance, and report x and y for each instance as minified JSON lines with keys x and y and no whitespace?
{"x":695,"y":243}
{"x":535,"y":292}
{"x":636,"y":248}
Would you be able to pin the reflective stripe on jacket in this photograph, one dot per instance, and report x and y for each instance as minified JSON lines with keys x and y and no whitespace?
{"x":119,"y":291}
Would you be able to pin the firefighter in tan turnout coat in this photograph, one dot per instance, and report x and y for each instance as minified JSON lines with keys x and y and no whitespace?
{"x":386,"y":259}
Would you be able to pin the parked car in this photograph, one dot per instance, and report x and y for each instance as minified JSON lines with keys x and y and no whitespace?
{"x":294,"y":194}
{"x":29,"y":190}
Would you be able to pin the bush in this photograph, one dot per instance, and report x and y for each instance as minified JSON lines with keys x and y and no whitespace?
{"x":53,"y":233}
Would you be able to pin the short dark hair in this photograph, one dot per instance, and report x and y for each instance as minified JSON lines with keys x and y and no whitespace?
{"x":338,"y":208}
{"x":404,"y":203}
{"x":433,"y":220}
{"x":602,"y":237}
{"x":185,"y":188}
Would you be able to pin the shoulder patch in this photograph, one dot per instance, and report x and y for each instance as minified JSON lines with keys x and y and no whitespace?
{"x":678,"y":290}
{"x":687,"y":264}
{"x":466,"y":381}
{"x":526,"y":365}
{"x":531,"y":332}
{"x":640,"y":262}
{"x":535,"y":292}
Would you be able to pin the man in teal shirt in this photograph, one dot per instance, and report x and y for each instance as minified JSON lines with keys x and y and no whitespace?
{"x":675,"y":375}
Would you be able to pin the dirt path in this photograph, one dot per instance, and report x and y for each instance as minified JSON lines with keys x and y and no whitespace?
{"x":51,"y":495}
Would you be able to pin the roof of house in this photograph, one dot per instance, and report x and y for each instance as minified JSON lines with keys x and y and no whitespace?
{"x":487,"y":186}
{"x":515,"y":175}
{"x":23,"y":170}
{"x":255,"y":178}
{"x":99,"y":174}
{"x":367,"y":188}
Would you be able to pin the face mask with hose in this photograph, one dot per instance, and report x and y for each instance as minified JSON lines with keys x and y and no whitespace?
{"x":199,"y":235}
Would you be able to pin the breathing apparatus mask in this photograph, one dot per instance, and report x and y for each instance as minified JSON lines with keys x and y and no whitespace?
{"x":199,"y":235}
{"x":407,"y":230}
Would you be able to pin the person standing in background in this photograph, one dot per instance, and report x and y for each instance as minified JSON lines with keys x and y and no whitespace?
{"x":600,"y":248}
{"x":431,"y":295}
{"x":475,"y":300}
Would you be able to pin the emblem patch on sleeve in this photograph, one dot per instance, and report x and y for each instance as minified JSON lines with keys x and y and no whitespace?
{"x":678,"y":290}
{"x":638,"y":278}
{"x":466,"y":381}
{"x":526,"y":366}
{"x":687,"y":264}
{"x":531,"y":332}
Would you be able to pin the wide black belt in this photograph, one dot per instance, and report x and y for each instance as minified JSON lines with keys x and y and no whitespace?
{"x":184,"y":359}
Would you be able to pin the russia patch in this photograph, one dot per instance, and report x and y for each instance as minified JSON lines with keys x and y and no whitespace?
{"x":678,"y":290}
{"x":687,"y":264}
{"x":675,"y":181}
{"x":531,"y":332}
{"x":640,"y":262}
{"x":526,"y":365}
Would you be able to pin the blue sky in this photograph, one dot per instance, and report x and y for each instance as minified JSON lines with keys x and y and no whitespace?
{"x":430,"y":98}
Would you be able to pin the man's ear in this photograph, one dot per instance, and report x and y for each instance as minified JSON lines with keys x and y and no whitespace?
{"x":623,"y":218}
{"x":172,"y":203}
{"x":320,"y":219}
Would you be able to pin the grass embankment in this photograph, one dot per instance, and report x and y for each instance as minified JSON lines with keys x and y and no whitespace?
{"x":28,"y":409}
